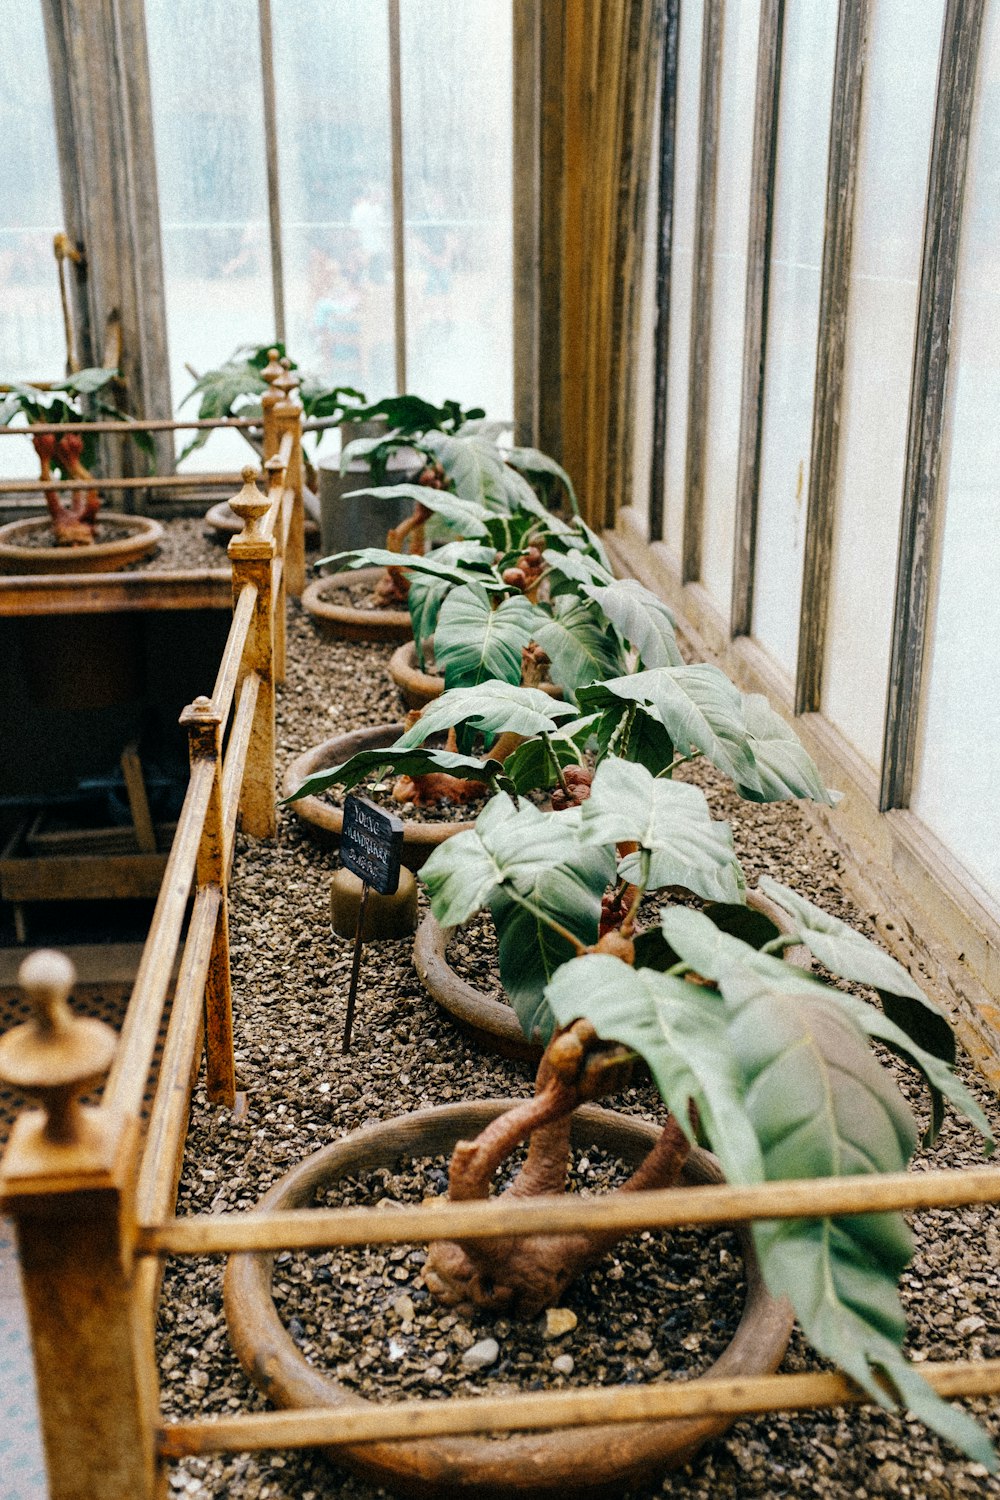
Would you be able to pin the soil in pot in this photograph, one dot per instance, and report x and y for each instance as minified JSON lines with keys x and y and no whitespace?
{"x":364,"y":1315}
{"x":343,"y":607}
{"x":425,"y":827}
{"x":418,"y":685}
{"x":28,"y":546}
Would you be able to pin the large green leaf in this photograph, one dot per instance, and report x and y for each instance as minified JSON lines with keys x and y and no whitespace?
{"x":511,"y":844}
{"x":381,"y":557}
{"x":671,"y":823}
{"x":473,"y":465}
{"x":401,"y":761}
{"x":491,"y":708}
{"x":680,"y":1030}
{"x":634,"y":733}
{"x":464,"y":516}
{"x":532,"y":766}
{"x":641,"y":618}
{"x":428,"y":592}
{"x":474,"y":642}
{"x":847,"y":953}
{"x":579,"y":644}
{"x":534,"y":461}
{"x":821,"y":1106}
{"x":530,"y":950}
{"x":784,"y":767}
{"x":572,"y":568}
{"x":941,"y":1082}
{"x":699,"y":708}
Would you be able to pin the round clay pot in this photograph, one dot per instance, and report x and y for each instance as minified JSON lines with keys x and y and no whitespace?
{"x":493,"y":1023}
{"x":221,"y":523}
{"x":324,"y":822}
{"x":419,"y":687}
{"x":581,"y":1461}
{"x":341,"y":621}
{"x":100,"y":557}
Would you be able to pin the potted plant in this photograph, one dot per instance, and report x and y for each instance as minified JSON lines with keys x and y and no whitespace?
{"x":72,"y":538}
{"x":757,"y":1057}
{"x":466,"y":480}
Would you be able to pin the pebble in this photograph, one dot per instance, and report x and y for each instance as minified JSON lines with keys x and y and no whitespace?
{"x":559,"y":1321}
{"x":563,"y":1364}
{"x":481,"y":1355}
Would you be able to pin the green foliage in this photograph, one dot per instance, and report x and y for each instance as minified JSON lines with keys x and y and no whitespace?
{"x":679,"y":841}
{"x":475,"y":642}
{"x":465,"y":516}
{"x":489,"y":708}
{"x":416,"y":761}
{"x":73,"y":399}
{"x":780,"y":1073}
{"x":581,"y":647}
{"x":640,"y":618}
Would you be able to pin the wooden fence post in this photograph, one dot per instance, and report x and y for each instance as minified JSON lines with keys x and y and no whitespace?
{"x":271,"y":372}
{"x":288,"y":416}
{"x":68,"y":1180}
{"x":203,"y":723}
{"x":276,"y":497}
{"x":252,"y":554}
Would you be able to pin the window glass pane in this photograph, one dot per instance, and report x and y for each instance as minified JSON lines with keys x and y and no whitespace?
{"x":457,"y":154}
{"x":31,"y":326}
{"x":645,"y":375}
{"x":681,"y":267}
{"x":808,"y":48}
{"x":204,"y":61}
{"x":729,"y":277}
{"x":955,"y":783}
{"x":336,"y":188}
{"x":897,"y":115}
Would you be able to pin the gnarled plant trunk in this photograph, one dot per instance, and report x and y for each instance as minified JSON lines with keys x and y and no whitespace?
{"x":73,"y":524}
{"x":524,"y":1274}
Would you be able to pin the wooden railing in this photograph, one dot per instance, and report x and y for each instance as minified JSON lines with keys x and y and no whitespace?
{"x":93,"y":1201}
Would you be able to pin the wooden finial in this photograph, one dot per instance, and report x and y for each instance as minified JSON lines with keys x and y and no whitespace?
{"x":272,"y":369}
{"x":275,"y":470}
{"x":56,"y":1056}
{"x":250,"y":505}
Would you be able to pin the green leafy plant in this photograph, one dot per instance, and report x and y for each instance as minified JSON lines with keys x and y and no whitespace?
{"x":70,"y":456}
{"x":235,"y":387}
{"x":758,"y":1057}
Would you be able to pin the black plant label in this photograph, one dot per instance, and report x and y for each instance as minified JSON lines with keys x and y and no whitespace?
{"x":371,"y":844}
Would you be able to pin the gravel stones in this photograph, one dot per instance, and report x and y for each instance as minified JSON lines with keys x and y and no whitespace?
{"x":481,"y":1355}
{"x":365,"y":1317}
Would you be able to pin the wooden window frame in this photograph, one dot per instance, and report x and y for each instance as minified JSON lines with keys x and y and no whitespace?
{"x":921,"y":516}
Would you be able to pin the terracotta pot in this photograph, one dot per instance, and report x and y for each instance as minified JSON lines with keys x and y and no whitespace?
{"x":419,"y":687}
{"x":580,"y":1461}
{"x":221,"y":523}
{"x":341,"y":621}
{"x":99,"y":557}
{"x":493,"y":1023}
{"x":324,"y":822}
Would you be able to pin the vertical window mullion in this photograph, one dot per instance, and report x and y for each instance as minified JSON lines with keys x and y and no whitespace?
{"x":701,"y":307}
{"x":273,"y":179}
{"x":942,"y":227}
{"x":755,"y":338}
{"x":845,"y":128}
{"x":665,"y":211}
{"x":398,"y":199}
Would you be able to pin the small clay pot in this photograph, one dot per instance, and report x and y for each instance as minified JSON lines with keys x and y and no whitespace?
{"x":99,"y":557}
{"x":337,"y":619}
{"x":418,"y":687}
{"x":493,"y":1023}
{"x":579,"y":1461}
{"x":324,"y":822}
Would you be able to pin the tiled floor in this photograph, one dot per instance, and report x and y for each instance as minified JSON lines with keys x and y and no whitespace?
{"x":22,"y":1468}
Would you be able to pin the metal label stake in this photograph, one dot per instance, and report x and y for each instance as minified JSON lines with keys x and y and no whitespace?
{"x":371,"y":847}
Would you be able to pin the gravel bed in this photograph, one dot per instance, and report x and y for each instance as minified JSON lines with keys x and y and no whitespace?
{"x":106,"y":530}
{"x":341,"y":589}
{"x":290,"y":988}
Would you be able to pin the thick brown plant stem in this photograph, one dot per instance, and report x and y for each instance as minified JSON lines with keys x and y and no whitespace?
{"x":525,"y":1274}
